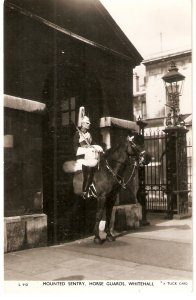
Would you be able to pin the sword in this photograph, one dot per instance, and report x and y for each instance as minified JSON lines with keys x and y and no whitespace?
{"x":82,"y":135}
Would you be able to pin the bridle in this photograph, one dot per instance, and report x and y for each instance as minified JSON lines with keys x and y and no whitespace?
{"x":119,"y":179}
{"x":140,"y":153}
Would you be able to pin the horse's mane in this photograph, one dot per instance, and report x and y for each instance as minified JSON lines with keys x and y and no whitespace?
{"x":119,"y":148}
{"x":109,"y":152}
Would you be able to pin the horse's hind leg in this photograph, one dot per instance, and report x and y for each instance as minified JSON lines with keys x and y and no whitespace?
{"x":99,"y":215}
{"x":109,"y":206}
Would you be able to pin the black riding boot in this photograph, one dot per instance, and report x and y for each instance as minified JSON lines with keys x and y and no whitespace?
{"x":88,"y":174}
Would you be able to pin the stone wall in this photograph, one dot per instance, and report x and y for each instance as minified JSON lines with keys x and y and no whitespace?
{"x":27,"y":231}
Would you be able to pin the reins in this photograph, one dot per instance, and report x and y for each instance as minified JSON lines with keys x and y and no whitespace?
{"x":120,"y":181}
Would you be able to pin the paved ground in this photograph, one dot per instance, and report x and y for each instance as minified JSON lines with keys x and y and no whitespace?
{"x":161,"y":251}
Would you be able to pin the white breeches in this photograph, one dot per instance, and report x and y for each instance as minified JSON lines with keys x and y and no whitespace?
{"x":91,"y":156}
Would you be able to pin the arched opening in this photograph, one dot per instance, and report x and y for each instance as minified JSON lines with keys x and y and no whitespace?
{"x":65,"y":90}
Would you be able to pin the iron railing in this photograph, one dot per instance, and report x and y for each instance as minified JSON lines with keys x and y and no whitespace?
{"x":155,"y":172}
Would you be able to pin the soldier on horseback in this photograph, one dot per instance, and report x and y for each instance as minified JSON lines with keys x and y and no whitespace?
{"x":87,"y":155}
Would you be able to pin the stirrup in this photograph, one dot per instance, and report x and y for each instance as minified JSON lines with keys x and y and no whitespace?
{"x":84,"y":195}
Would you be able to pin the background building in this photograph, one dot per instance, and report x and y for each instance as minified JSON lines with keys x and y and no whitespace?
{"x":149,"y":90}
{"x":150,"y":104}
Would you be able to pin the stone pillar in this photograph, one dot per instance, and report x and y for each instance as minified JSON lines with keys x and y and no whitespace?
{"x":176,"y":167}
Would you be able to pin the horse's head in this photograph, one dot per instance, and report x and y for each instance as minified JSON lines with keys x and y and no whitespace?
{"x":135,"y":147}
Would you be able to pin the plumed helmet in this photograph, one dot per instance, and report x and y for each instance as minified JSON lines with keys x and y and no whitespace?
{"x":86,"y":120}
{"x":82,"y":117}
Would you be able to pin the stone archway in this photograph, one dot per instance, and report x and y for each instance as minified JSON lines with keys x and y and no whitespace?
{"x":65,"y":91}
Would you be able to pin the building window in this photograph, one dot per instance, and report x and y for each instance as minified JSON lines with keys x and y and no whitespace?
{"x":144,"y":80}
{"x":137,"y":83}
{"x":143,"y":108}
{"x":68,"y":111}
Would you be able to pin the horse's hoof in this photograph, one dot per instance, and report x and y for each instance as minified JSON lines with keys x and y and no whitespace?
{"x":145,"y":223}
{"x":98,"y":241}
{"x":110,"y":238}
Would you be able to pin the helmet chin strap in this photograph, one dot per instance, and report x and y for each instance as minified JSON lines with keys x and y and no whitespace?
{"x":84,"y":127}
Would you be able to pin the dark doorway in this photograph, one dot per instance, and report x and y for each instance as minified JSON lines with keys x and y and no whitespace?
{"x":66,"y":89}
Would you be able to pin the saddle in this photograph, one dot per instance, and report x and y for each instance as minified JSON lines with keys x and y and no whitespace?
{"x":89,"y":157}
{"x":70,"y":167}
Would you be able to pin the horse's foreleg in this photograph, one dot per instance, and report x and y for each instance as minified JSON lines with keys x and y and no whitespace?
{"x":109,"y":207}
{"x":99,"y":215}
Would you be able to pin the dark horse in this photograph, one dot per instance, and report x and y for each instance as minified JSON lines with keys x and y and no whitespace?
{"x":108,"y":178}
